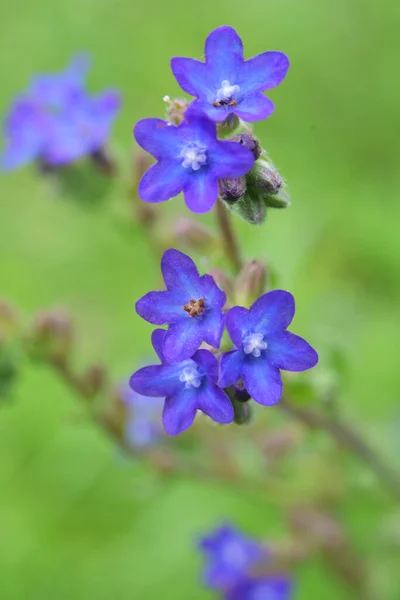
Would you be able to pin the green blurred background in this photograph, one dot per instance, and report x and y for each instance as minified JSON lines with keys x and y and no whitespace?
{"x":78,"y":521}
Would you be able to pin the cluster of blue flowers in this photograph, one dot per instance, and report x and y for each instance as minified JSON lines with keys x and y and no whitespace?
{"x":55,"y":121}
{"x":232,"y":563}
{"x":190,"y":158}
{"x":192,"y":379}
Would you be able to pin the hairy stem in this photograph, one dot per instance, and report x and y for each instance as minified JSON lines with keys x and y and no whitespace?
{"x":349,"y":438}
{"x":231,"y":245}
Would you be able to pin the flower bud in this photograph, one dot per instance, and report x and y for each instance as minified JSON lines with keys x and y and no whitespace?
{"x":250,"y":142}
{"x":51,"y":336}
{"x":93,"y":381}
{"x":193,"y":235}
{"x":270,"y":184}
{"x":227,"y":127}
{"x":176,"y":109}
{"x":232,"y":190}
{"x":103,"y":162}
{"x":250,"y":283}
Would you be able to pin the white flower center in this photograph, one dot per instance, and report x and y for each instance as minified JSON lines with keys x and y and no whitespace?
{"x":254,"y":344}
{"x":194,"y":157}
{"x":190,"y":376}
{"x":226,"y":92}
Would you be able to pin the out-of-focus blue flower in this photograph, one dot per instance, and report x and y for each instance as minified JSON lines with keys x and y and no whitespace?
{"x":55,"y":121}
{"x":269,"y":588}
{"x":55,"y":90}
{"x":230,"y":555}
{"x":187,"y":386}
{"x":264,"y":346}
{"x":190,"y":160}
{"x":143,"y":424}
{"x":191,"y":306}
{"x":82,"y":128}
{"x":226,"y":83}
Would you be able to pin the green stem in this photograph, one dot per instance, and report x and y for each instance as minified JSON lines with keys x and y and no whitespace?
{"x":229,"y":240}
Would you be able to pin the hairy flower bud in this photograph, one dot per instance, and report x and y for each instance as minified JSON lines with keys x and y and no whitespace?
{"x":250,"y":283}
{"x":51,"y":336}
{"x":176,"y":109}
{"x":93,"y":381}
{"x":194,"y":235}
{"x":104,"y":162}
{"x":232,"y":190}
{"x":227,"y":127}
{"x":250,"y":142}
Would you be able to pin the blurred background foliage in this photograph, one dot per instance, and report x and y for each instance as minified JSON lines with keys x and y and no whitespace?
{"x":77,"y":519}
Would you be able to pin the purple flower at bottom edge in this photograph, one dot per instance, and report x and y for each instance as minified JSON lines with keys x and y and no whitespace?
{"x":190,"y":160}
{"x":264,"y":346}
{"x":226,"y":83}
{"x":143,"y":426}
{"x":274,"y":587}
{"x":82,"y":127}
{"x":230,"y":555}
{"x":187,"y":386}
{"x":191,"y":306}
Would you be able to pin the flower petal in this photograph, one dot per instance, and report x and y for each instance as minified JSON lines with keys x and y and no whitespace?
{"x":213,"y":327}
{"x":290,"y":352}
{"x":162,"y":181}
{"x":180,"y":273}
{"x":224,"y":53}
{"x":179,"y":411}
{"x":263,"y":72}
{"x":215,"y":113}
{"x":157,"y":339}
{"x":215,"y":296}
{"x":158,"y":137}
{"x":156,"y":380}
{"x":160,"y":307}
{"x":182,"y":339}
{"x":238,"y":324}
{"x":201,"y":191}
{"x":254,"y":107}
{"x":191,"y":75}
{"x":231,"y":367}
{"x":272,"y":312}
{"x":262,"y":380}
{"x":215,"y":403}
{"x":207,"y":361}
{"x":230,"y":160}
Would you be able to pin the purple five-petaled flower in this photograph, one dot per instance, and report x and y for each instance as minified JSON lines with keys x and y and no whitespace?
{"x":82,"y":128}
{"x":190,"y":160}
{"x":143,"y":426}
{"x":187,"y":386}
{"x":230,"y":554}
{"x":191,"y":306}
{"x":264,"y":346}
{"x":226,"y":83}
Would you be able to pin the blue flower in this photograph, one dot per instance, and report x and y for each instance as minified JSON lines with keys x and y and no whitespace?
{"x":274,"y":587}
{"x":190,"y":160}
{"x":191,"y":306}
{"x":56,"y":89}
{"x":82,"y":128}
{"x":187,"y":386}
{"x":230,"y":555}
{"x":26,"y":129}
{"x":55,"y":121}
{"x":143,"y":424}
{"x":264,"y":346}
{"x":226,"y":83}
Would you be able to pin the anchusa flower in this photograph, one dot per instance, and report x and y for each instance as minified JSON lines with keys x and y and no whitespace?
{"x":227,"y":84}
{"x":56,"y":121}
{"x":190,"y":159}
{"x":191,"y":306}
{"x":232,"y":561}
{"x":263,"y":346}
{"x":187,"y":386}
{"x":143,"y":427}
